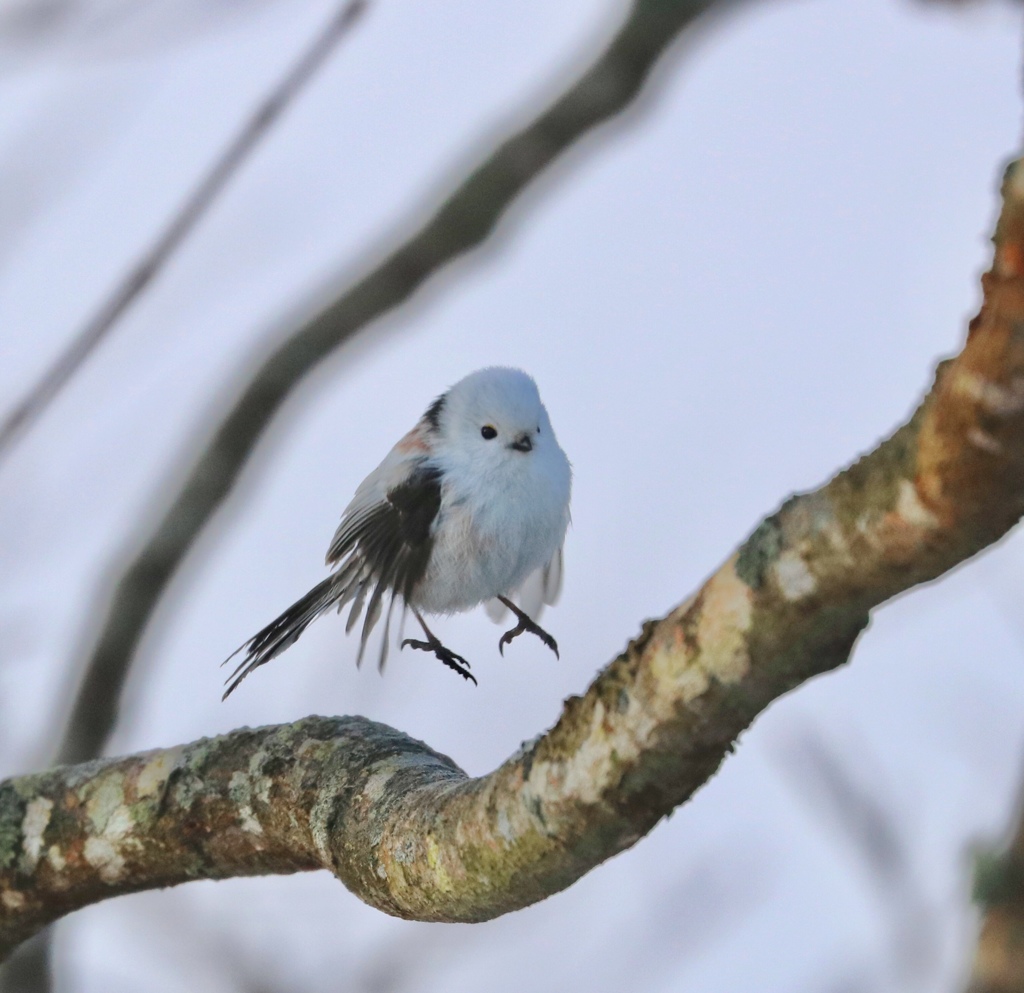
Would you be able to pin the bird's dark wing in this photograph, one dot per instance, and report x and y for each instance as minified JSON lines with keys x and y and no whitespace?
{"x":393,"y":537}
{"x":380,"y":548}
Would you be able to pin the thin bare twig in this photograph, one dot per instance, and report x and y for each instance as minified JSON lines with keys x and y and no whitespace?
{"x":463,"y":221}
{"x":32,"y":405}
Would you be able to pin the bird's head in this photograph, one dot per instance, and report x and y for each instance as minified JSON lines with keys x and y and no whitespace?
{"x":494,"y":419}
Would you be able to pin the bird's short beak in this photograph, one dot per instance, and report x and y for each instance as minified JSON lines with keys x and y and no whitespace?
{"x":524,"y":443}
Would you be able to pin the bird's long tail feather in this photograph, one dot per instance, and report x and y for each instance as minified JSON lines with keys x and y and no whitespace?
{"x":283,"y":631}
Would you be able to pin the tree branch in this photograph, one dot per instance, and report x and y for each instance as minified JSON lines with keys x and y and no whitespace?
{"x":409,"y":833}
{"x":463,"y":221}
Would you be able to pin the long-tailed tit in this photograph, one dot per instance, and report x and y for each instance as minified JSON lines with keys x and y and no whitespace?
{"x":471,"y":506}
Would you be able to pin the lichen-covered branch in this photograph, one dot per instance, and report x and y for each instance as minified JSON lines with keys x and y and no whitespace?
{"x":411,"y":834}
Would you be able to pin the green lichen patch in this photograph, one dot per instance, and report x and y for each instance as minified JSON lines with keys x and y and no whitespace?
{"x":759,"y":552}
{"x":12,"y":814}
{"x":998,"y":879}
{"x":103,"y":800}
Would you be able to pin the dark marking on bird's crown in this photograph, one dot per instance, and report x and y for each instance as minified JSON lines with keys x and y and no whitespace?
{"x":433,"y":414}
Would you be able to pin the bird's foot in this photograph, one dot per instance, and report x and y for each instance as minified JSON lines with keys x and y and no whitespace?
{"x":526,"y":623}
{"x":445,"y":655}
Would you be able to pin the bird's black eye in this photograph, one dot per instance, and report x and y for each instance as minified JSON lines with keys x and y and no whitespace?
{"x":487,"y":432}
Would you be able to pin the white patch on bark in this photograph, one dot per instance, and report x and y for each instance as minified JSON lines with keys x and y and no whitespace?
{"x":57,"y":860}
{"x":101,"y":854}
{"x":104,"y":802}
{"x":154,"y":774}
{"x":12,"y":899}
{"x":910,"y":507}
{"x":259,"y":784}
{"x":984,"y":441}
{"x":120,"y":824}
{"x":1003,"y":401}
{"x":376,"y":783}
{"x":112,"y":825}
{"x":793,"y":577}
{"x":724,"y":623}
{"x":595,"y":764}
{"x":240,"y":789}
{"x":375,"y":789}
{"x":37,"y":817}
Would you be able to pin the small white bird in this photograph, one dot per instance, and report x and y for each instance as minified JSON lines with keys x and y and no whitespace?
{"x":472,"y":505}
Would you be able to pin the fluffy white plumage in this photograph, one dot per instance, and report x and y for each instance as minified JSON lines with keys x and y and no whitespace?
{"x":470,"y":506}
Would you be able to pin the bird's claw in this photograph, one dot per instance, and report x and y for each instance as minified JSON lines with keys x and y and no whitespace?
{"x":445,"y":655}
{"x":527,"y":625}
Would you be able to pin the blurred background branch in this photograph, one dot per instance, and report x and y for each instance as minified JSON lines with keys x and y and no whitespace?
{"x":998,"y":965}
{"x":852,"y":801}
{"x":39,"y":396}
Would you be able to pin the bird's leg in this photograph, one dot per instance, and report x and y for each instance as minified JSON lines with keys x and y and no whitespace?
{"x":526,"y":623}
{"x":433,"y":644}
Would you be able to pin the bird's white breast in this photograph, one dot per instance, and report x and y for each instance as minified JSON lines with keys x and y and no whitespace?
{"x":493,"y":530}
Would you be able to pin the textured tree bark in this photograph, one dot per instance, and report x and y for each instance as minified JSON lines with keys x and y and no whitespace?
{"x":408,"y":832}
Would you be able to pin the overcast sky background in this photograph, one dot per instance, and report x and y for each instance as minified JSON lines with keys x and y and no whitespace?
{"x":724,"y":298}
